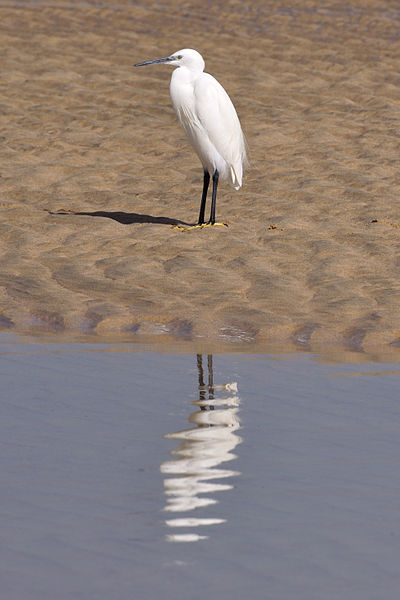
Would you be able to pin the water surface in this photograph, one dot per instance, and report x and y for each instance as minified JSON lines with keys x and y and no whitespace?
{"x":131,"y":474}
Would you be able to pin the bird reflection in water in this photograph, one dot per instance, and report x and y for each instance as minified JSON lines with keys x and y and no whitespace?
{"x":196,"y":464}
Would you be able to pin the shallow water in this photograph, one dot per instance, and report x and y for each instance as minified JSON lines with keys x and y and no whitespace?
{"x":129,"y":474}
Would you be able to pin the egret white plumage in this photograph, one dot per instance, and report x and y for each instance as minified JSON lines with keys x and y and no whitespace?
{"x":210,"y":121}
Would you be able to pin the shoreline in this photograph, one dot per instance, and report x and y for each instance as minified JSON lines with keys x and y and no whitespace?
{"x":166,"y":344}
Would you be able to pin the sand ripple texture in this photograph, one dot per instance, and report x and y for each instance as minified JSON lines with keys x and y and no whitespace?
{"x":312,"y":251}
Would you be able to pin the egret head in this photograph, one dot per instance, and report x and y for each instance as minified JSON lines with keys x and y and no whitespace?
{"x":183,"y":58}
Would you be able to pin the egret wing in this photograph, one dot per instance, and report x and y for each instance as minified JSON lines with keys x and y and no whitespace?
{"x":219,"y":119}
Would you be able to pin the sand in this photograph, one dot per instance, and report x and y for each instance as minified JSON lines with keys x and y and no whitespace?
{"x":311,"y":254}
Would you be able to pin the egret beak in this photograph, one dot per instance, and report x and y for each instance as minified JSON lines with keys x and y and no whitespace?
{"x":157,"y":60}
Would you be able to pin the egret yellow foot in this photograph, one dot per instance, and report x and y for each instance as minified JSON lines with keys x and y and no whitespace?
{"x":202,"y":226}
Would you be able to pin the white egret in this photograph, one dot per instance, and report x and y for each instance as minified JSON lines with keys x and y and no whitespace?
{"x":210,"y":121}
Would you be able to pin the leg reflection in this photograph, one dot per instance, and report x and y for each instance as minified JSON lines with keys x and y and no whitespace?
{"x":206,"y":389}
{"x":196,"y":461}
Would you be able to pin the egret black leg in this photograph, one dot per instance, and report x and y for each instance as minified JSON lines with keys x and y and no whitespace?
{"x":215,"y":178}
{"x":204,"y":196}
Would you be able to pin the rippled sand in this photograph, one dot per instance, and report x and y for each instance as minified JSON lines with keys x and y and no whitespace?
{"x":312,"y":250}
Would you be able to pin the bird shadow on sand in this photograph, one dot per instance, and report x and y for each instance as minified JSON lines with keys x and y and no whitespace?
{"x":123,"y":217}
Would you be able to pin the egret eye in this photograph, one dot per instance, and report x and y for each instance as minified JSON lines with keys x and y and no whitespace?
{"x":179,"y":57}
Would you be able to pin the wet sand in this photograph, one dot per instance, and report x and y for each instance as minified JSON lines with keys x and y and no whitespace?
{"x":311,"y":254}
